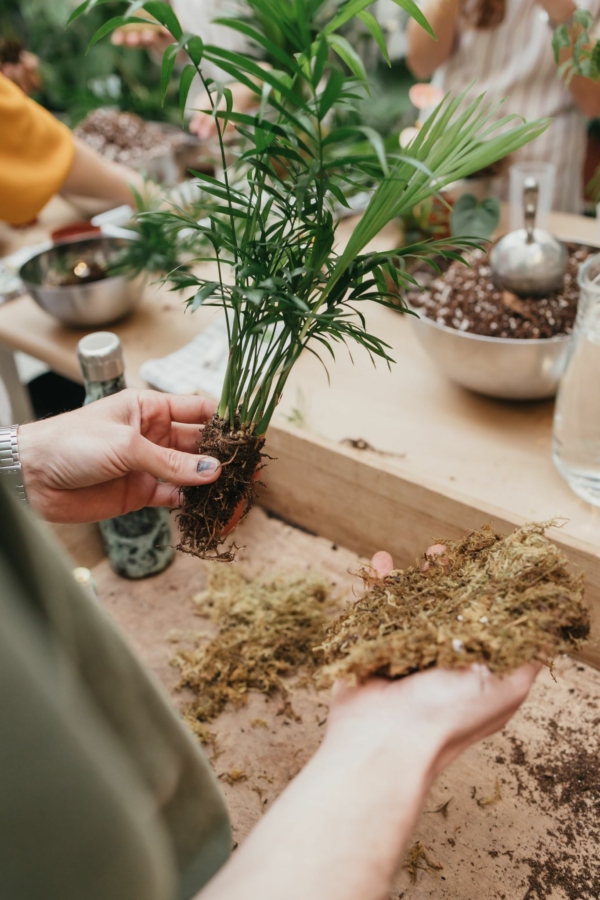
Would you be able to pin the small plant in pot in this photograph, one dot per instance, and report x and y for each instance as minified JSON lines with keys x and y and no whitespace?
{"x":283,"y":283}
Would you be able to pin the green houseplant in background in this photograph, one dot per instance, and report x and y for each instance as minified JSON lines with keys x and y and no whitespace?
{"x":583,"y":59}
{"x":73,"y":84}
{"x":270,"y":228}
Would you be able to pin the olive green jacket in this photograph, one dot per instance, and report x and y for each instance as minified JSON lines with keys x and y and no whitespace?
{"x":103,"y":793}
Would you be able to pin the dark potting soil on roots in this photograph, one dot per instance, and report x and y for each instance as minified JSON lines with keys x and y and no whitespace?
{"x":207,"y":510}
{"x":501,"y":601}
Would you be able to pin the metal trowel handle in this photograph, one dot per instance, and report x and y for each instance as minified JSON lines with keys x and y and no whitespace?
{"x":531,"y":191}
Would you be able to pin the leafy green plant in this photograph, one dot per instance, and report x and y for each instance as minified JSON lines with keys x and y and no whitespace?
{"x":477,"y":218}
{"x":161,"y":247}
{"x":73,"y":84}
{"x":576,"y":37}
{"x":584,"y":60}
{"x":284,"y":284}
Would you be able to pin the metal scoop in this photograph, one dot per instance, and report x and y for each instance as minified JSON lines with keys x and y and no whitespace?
{"x":529,"y":262}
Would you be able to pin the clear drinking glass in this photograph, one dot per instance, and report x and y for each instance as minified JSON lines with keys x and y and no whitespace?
{"x":576,"y":440}
{"x":544,"y":174}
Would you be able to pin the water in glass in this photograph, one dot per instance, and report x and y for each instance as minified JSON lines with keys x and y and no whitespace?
{"x":576,"y":443}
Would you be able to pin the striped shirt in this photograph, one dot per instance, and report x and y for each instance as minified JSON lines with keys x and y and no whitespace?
{"x":515,"y":61}
{"x":197,"y":16}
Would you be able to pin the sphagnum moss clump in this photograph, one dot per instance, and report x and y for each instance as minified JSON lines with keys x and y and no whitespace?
{"x":267,"y":627}
{"x":502,"y":601}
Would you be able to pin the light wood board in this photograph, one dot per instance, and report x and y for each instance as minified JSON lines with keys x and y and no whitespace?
{"x":447,"y":459}
{"x":482,"y":849}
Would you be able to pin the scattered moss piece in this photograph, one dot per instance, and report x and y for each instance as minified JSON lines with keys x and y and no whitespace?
{"x":502,"y":601}
{"x":206,"y":737}
{"x":267,"y":628}
{"x":258,"y":723}
{"x":443,"y":809}
{"x":234,"y":776}
{"x":417,"y":855}
{"x":494,"y":798}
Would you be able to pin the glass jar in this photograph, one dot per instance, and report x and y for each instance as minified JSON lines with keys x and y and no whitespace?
{"x":576,"y":439}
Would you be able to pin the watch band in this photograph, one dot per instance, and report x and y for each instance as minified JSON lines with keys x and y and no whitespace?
{"x":11,"y":472}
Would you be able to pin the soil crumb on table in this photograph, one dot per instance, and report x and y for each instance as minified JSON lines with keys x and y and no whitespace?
{"x":564,"y":781}
{"x":466,"y":299}
{"x":267,"y":627}
{"x":502,"y":601}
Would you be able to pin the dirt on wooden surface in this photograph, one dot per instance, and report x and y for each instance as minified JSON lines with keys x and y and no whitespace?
{"x":515,"y":818}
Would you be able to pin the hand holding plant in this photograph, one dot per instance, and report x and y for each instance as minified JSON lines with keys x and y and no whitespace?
{"x":283,"y":282}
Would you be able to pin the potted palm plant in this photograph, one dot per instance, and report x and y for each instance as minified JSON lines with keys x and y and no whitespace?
{"x":270,"y":227}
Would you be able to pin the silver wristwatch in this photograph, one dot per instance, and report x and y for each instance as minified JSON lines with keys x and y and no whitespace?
{"x":11,"y":472}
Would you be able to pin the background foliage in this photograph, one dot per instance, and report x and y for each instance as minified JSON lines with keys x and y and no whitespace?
{"x":73,"y":83}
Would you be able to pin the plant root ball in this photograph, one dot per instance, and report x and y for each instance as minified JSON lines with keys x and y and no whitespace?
{"x":501,"y":601}
{"x":207,"y":510}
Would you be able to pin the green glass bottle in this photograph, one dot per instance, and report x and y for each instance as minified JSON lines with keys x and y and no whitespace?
{"x":137,"y":544}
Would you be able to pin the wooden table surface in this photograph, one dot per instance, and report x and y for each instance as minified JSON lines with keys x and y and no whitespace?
{"x":503,"y":825}
{"x":486,"y":453}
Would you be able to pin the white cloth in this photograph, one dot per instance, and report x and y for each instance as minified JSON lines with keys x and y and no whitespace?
{"x":515,"y":61}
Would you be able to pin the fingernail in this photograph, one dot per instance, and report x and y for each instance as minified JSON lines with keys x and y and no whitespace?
{"x":207,"y":466}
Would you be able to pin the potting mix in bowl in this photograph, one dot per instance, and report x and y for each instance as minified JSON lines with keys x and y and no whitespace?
{"x":466,"y":299}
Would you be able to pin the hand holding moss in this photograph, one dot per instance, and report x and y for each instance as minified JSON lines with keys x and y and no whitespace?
{"x":441,"y":711}
{"x":497,"y":600}
{"x":340,"y":830}
{"x":119,"y":454}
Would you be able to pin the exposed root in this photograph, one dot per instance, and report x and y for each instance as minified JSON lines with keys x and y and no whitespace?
{"x":207,"y":510}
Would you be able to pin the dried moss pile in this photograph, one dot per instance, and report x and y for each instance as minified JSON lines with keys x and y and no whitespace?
{"x":267,"y":629}
{"x":502,"y":601}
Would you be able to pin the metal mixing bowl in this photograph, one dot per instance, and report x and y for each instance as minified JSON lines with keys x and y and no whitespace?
{"x":89,"y":303}
{"x":508,"y":368}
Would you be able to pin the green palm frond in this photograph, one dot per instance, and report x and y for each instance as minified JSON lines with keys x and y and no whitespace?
{"x":270,"y":223}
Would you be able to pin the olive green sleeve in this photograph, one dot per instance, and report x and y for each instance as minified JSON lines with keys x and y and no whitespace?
{"x":103,"y":793}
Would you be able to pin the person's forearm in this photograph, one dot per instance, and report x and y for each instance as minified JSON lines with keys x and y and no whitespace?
{"x":424,"y":54}
{"x":92,"y":176}
{"x":337,"y":833}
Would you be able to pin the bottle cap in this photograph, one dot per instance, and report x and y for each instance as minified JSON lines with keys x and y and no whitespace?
{"x":101,"y":356}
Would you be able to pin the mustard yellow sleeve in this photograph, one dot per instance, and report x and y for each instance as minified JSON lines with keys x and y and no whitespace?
{"x":36,"y":154}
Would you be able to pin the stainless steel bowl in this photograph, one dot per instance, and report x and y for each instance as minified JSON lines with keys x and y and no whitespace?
{"x":508,"y":368}
{"x":89,"y":303}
